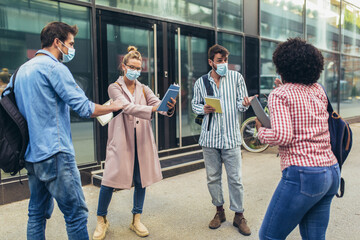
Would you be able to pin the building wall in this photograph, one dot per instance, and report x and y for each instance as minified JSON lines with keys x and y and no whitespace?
{"x":249,"y":29}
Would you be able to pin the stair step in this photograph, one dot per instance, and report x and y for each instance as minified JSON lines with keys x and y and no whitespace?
{"x":170,"y":165}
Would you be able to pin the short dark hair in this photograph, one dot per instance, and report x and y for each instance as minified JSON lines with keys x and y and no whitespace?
{"x":298,"y":61}
{"x":217,"y":49}
{"x":54,"y":30}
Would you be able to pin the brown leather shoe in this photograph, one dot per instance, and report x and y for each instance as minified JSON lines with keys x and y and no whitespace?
{"x":241,"y":223}
{"x":217,"y":220}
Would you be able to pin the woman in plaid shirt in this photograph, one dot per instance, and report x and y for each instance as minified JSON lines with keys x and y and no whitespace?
{"x":299,"y":125}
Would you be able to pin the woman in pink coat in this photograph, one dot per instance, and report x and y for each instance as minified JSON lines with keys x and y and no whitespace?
{"x":131,"y":152}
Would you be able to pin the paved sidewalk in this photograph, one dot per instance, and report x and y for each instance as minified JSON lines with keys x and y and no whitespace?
{"x":180,"y":208}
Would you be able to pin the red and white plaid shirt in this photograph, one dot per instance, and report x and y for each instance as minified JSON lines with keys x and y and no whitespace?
{"x":299,"y":125}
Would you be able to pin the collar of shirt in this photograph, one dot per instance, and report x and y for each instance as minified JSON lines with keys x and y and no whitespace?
{"x":42,"y":51}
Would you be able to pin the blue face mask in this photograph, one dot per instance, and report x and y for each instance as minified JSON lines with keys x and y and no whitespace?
{"x":132,"y":74}
{"x":67,"y":57}
{"x":221,"y":69}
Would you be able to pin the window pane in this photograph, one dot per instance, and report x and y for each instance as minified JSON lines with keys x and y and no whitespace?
{"x":281,"y":19}
{"x":329,"y":77}
{"x":191,"y":11}
{"x":193,"y":65}
{"x":20,"y":25}
{"x":323,"y":23}
{"x":230,"y":14}
{"x":267,"y":67}
{"x":234,"y":44}
{"x":351,"y":29}
{"x":350,"y":86}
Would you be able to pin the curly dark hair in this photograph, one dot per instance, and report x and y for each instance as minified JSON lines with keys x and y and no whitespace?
{"x":298,"y":61}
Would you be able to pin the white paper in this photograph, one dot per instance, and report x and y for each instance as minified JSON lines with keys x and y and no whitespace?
{"x":106,"y":118}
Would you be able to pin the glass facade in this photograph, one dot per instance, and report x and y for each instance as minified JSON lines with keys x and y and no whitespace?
{"x":20,"y":25}
{"x":233,"y":43}
{"x":323,"y":23}
{"x":193,"y":65}
{"x":331,"y":25}
{"x":230,"y":14}
{"x":350,"y":21}
{"x":350,"y":86}
{"x":267,"y":68}
{"x":281,"y":19}
{"x":191,"y":11}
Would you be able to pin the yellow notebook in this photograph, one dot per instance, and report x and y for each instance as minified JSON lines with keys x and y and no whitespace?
{"x":215,"y":103}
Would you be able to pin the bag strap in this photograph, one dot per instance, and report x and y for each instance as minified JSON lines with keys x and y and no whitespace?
{"x":142,"y":89}
{"x":210,"y":92}
{"x":335,"y":115}
{"x":209,"y":89}
{"x":329,"y":106}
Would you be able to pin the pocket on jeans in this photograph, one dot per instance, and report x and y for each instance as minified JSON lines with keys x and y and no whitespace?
{"x":46,"y":170}
{"x":312,"y":182}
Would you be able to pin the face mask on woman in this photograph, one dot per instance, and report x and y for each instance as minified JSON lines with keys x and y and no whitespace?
{"x":221,"y":69}
{"x":132,"y":74}
{"x":67,"y":57}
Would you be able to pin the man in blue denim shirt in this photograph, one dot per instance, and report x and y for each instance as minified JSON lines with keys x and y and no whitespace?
{"x":45,"y":90}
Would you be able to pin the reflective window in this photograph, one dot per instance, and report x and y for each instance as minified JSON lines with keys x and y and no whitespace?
{"x":281,"y":19}
{"x":323,"y":23}
{"x":350,"y":29}
{"x":329,"y":77}
{"x":194,"y":64}
{"x":234,"y":44}
{"x":230,"y":14}
{"x":20,"y":24}
{"x":350,"y":86}
{"x":118,"y":40}
{"x":191,"y":11}
{"x":267,"y":67}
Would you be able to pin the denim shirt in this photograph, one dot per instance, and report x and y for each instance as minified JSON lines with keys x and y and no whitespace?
{"x":44,"y":91}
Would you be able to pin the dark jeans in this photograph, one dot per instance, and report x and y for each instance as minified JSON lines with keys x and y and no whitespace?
{"x":139,"y":192}
{"x":302,"y":197}
{"x":56,"y":177}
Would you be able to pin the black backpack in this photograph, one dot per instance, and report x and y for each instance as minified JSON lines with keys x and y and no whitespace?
{"x":210,"y":92}
{"x":340,"y":139}
{"x":14,"y":135}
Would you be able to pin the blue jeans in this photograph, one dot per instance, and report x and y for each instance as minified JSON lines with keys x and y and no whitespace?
{"x":213,"y":164}
{"x":56,"y":177}
{"x":139,"y":192}
{"x":302,"y":197}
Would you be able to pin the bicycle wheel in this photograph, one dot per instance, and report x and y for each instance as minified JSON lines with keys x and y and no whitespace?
{"x":249,"y":137}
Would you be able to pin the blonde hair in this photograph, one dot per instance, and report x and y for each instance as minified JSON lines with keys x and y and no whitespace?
{"x":132,"y":54}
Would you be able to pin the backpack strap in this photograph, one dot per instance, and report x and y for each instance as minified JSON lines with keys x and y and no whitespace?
{"x":210,"y":92}
{"x":335,"y":115}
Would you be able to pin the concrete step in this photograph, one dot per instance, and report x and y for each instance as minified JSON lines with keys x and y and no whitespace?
{"x":171,"y":165}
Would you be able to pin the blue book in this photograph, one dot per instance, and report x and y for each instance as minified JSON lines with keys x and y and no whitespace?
{"x":172,"y":92}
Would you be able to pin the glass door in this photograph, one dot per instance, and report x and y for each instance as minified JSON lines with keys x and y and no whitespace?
{"x":189,"y":63}
{"x":117,"y":33}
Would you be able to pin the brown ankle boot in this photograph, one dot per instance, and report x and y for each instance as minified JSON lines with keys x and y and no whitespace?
{"x":101,"y":227}
{"x":217,"y":220}
{"x":241,"y":223}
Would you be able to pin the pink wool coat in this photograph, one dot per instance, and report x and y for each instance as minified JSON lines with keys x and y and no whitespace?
{"x":120,"y":149}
